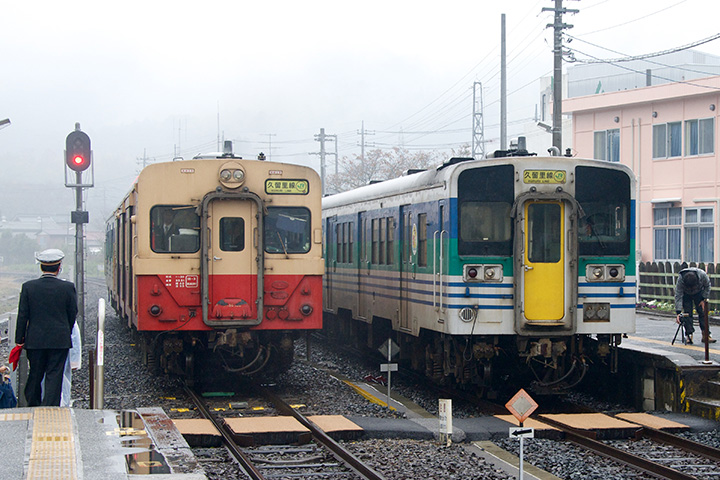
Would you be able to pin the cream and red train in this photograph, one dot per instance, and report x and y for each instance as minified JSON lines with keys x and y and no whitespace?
{"x":218,"y":259}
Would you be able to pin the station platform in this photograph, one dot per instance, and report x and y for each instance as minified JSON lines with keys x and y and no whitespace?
{"x":655,"y":333}
{"x":65,"y":443}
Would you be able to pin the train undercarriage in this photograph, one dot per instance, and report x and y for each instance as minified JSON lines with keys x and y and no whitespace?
{"x":487,"y":364}
{"x":193,"y":355}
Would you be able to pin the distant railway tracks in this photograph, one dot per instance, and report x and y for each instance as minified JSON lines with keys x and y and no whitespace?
{"x":323,"y":457}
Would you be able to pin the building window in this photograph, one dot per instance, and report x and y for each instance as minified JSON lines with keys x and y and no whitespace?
{"x":699,"y":235}
{"x":607,"y":145}
{"x":666,"y":230}
{"x":699,"y":137}
{"x":667,"y":140}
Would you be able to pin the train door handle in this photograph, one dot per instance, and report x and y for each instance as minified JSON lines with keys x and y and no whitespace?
{"x":527,"y":267}
{"x":217,"y":258}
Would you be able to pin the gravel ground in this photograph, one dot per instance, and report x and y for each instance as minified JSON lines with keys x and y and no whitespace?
{"x":128,"y":385}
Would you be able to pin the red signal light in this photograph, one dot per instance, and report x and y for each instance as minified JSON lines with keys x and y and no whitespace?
{"x":77,"y":151}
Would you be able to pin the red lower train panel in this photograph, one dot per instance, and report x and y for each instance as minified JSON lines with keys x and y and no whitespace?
{"x":172,"y":302}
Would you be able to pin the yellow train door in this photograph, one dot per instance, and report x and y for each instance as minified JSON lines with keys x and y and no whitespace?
{"x":544,"y":262}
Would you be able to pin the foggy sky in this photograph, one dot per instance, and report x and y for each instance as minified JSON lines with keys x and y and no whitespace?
{"x":155,"y":76}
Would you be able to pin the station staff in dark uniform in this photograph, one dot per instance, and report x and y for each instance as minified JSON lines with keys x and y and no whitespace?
{"x":46,"y":315}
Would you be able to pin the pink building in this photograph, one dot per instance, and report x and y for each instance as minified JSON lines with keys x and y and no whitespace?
{"x":667,"y":135}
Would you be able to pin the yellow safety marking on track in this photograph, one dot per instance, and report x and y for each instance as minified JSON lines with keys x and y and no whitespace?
{"x":369,"y":397}
{"x":697,"y":348}
{"x":52,"y":454}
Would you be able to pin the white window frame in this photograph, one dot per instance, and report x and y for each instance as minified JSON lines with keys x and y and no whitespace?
{"x":663,"y":147}
{"x":701,"y":141}
{"x":607,"y":145}
{"x":668,"y":232}
{"x":699,"y":228}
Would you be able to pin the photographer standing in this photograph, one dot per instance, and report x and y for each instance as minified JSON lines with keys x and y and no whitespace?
{"x":692,"y":288}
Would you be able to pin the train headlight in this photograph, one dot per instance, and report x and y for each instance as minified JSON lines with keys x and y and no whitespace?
{"x":231,"y":175}
{"x":483,"y":273}
{"x":306,"y":309}
{"x":605,"y":273}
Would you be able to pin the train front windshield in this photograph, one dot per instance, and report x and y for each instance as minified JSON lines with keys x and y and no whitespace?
{"x":485,"y":198}
{"x":604,"y":196}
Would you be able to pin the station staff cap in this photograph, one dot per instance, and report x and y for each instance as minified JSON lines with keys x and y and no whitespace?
{"x":50,"y":256}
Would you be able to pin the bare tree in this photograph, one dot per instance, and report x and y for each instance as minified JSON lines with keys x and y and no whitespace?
{"x":378,"y":165}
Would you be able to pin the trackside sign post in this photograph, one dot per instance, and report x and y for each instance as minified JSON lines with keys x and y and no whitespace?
{"x":445,"y":416}
{"x":521,"y":406}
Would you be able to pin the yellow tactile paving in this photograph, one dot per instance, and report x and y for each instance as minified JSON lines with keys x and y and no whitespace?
{"x":9,"y":417}
{"x":651,"y":421}
{"x":52,"y":454}
{"x":530,"y":422}
{"x":589,"y":421}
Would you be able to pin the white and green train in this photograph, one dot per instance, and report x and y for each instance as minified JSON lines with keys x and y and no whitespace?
{"x":484,"y":269}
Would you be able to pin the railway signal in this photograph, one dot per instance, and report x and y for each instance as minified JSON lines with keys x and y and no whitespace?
{"x":77,"y":151}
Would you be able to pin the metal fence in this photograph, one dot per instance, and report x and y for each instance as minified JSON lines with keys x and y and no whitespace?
{"x":656,"y":281}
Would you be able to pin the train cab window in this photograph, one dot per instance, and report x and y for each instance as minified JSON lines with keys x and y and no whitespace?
{"x":485,"y":199}
{"x":174,"y":229}
{"x":287,"y":230}
{"x":232,"y":234}
{"x":604,"y":196}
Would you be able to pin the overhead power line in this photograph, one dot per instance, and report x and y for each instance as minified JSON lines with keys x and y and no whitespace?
{"x":647,"y":55}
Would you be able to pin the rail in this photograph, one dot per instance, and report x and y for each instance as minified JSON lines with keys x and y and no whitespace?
{"x":230,"y":444}
{"x":351,"y":460}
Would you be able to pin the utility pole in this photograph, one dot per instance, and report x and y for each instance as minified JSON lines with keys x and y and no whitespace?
{"x":143,"y":162}
{"x":322,"y":138}
{"x":558,"y":26}
{"x":478,"y":137}
{"x":503,"y":86}
{"x":362,"y":134}
{"x":269,"y":135}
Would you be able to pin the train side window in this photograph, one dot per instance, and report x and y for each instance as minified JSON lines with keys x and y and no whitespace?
{"x":375,"y":240}
{"x":350,"y":237}
{"x":174,"y":229}
{"x":232,"y":234}
{"x":287,"y":230}
{"x":422,"y":239}
{"x":383,"y":234}
{"x":391,"y":241}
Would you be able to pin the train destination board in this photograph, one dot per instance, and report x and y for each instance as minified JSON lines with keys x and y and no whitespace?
{"x":287,"y":187}
{"x":544,"y":176}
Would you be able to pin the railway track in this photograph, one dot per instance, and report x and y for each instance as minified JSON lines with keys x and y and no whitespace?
{"x":323,"y":457}
{"x":652,"y":451}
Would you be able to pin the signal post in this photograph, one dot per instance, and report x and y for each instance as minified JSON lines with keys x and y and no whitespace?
{"x":78,"y":158}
